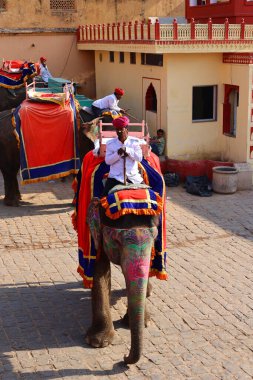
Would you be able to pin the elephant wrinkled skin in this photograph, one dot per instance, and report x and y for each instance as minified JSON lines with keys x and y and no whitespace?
{"x":127,"y":242}
{"x":9,"y":159}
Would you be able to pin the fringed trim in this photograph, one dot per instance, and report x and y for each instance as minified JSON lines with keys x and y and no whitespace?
{"x":159,"y":275}
{"x":125,"y":211}
{"x":49,"y":178}
{"x":87,"y":281}
{"x":144,"y":174}
{"x":152,"y":253}
{"x":74,"y":220}
{"x":74,"y":185}
{"x":13,"y":122}
{"x":12,"y":87}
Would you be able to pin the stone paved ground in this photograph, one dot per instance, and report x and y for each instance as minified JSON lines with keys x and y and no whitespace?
{"x":202,"y":318}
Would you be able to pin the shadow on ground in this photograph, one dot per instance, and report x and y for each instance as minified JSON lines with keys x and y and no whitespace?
{"x":45,"y":316}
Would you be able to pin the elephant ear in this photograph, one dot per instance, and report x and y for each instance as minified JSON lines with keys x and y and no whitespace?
{"x":93,"y":220}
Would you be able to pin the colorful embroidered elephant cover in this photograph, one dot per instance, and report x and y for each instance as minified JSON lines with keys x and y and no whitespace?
{"x":128,"y":201}
{"x":89,"y":184}
{"x":48,"y":138}
{"x":14,"y":80}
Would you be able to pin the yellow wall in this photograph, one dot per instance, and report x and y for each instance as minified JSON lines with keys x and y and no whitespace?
{"x":63,"y":58}
{"x":187,"y":139}
{"x":35,"y":14}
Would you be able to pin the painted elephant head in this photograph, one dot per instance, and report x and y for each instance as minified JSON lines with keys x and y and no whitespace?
{"x":127,"y":242}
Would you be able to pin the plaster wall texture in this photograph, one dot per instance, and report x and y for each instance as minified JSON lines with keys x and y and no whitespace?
{"x":188,"y":139}
{"x":63,"y":58}
{"x":38,"y":13}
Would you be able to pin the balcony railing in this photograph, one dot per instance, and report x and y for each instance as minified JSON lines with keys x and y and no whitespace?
{"x":141,"y":32}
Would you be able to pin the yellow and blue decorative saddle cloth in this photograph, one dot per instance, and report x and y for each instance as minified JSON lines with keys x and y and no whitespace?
{"x":89,"y":184}
{"x":132,"y":201}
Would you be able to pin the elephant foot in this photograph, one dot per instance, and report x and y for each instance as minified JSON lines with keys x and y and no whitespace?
{"x":99,"y":338}
{"x":11,"y":202}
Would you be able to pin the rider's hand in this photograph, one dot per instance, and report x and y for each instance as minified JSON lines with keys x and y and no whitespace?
{"x":122,"y":110}
{"x":122,"y":152}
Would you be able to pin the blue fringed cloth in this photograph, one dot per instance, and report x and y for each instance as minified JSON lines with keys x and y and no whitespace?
{"x":17,"y":80}
{"x":89,"y":184}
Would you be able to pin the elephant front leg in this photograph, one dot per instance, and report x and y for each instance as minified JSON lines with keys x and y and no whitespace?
{"x":101,"y":332}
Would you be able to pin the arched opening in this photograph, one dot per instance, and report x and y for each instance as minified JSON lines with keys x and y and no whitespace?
{"x":151,"y":99}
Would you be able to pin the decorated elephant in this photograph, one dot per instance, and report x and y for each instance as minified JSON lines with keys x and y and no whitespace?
{"x":10,"y":153}
{"x":127,"y":228}
{"x":12,"y":86}
{"x":126,"y":242}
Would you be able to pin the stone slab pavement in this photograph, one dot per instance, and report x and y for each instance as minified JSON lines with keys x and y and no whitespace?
{"x":202,"y":317}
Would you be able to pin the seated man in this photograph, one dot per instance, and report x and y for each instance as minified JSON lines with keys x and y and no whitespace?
{"x":44,"y":72}
{"x":108,"y":103}
{"x":122,"y":154}
{"x":157,"y":143}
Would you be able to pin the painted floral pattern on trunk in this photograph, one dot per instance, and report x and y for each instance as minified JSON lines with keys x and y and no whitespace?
{"x":131,"y":248}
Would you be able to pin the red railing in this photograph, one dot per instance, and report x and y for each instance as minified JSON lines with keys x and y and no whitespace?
{"x":151,"y":32}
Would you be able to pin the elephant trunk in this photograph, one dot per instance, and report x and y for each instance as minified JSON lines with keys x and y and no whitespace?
{"x":135,"y":263}
{"x":136,"y":311}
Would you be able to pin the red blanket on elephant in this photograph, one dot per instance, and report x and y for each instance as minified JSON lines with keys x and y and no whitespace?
{"x":48,"y":141}
{"x":89,"y":185}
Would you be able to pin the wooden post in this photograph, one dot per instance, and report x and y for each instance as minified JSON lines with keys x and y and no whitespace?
{"x":226,"y":29}
{"x":118,"y":31}
{"x":124,"y":30}
{"x":103,"y":32}
{"x":142,"y":30}
{"x":175,"y":29}
{"x":129,"y":30}
{"x":135,"y":29}
{"x":242,"y":35}
{"x":149,"y":29}
{"x":193,"y":29}
{"x":157,"y":30}
{"x":210,"y":29}
{"x":113,"y":30}
{"x":108,"y":32}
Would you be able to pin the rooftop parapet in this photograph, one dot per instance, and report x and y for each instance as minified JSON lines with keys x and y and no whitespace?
{"x":157,"y":33}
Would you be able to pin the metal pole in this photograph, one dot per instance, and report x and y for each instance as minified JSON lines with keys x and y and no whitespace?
{"x":133,"y":117}
{"x":124,"y":162}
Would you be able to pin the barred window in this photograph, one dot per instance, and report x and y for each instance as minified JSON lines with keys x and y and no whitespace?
{"x":59,"y":6}
{"x":2,"y":5}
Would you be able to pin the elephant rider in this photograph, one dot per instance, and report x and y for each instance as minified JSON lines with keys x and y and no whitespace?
{"x":44,"y":72}
{"x":122,"y":154}
{"x":108,"y":103}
